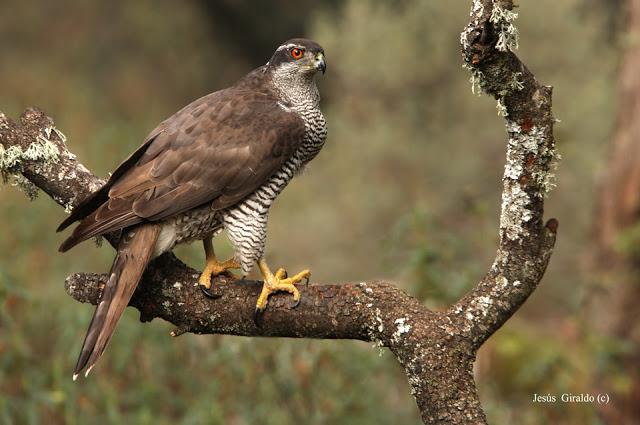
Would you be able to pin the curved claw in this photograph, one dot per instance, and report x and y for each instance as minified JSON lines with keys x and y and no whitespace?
{"x":207,"y":292}
{"x":212,"y":269}
{"x":296,"y":304}
{"x":257,"y":317}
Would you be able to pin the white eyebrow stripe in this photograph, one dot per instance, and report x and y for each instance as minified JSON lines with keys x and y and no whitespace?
{"x":288,"y":46}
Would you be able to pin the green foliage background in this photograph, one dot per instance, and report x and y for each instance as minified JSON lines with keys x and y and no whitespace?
{"x":407,"y":188}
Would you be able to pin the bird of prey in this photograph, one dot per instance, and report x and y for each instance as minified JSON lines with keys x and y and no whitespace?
{"x":218,"y":163}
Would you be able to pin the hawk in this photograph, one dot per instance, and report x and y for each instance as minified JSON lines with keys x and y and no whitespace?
{"x":218,"y":163}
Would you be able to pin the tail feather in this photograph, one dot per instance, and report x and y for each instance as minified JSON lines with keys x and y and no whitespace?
{"x":134,"y":252}
{"x":90,"y":227}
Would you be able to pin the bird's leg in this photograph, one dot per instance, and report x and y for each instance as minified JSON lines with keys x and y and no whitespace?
{"x":277,"y":282}
{"x":213,"y":268}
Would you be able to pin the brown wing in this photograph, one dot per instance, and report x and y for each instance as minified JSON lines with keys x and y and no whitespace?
{"x":218,"y":150}
{"x":100,"y":196}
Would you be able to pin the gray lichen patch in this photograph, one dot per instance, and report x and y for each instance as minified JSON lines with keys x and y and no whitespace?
{"x":516,"y":83}
{"x":502,"y":108}
{"x":375,"y":328}
{"x":42,"y":152}
{"x":503,"y":20}
{"x":402,"y":327}
{"x":515,"y":211}
{"x":68,"y":205}
{"x":378,"y":325}
{"x":535,"y":142}
{"x":167,"y":306}
{"x":477,"y":9}
{"x":481,"y":305}
{"x":10,"y":158}
{"x":477,"y":79}
{"x":513,"y":85}
{"x":478,"y":308}
{"x":414,"y":369}
{"x":22,"y":183}
{"x":528,"y":157}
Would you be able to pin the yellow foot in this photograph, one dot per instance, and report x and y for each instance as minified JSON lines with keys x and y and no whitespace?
{"x":277,"y":282}
{"x":213,"y":268}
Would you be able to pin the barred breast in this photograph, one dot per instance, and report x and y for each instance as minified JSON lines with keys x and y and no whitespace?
{"x":246,"y":222}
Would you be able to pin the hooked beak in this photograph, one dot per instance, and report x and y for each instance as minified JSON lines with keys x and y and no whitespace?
{"x":320,"y":63}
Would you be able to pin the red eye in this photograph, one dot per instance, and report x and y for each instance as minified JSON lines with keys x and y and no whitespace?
{"x":296,"y":53}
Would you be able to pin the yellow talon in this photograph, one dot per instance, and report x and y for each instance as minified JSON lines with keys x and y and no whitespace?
{"x":213,"y":268}
{"x":277,"y":282}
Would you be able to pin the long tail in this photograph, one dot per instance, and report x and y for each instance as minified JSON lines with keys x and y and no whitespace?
{"x":134,"y":252}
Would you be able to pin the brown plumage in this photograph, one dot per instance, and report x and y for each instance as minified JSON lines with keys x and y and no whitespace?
{"x":205,"y":153}
{"x":209,"y":157}
{"x":134,"y":252}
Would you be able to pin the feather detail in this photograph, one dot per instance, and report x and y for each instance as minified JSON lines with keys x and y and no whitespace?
{"x":215,"y":151}
{"x":134,"y":252}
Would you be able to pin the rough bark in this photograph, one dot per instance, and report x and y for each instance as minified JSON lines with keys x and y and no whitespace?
{"x":436,"y":349}
{"x":618,"y":210}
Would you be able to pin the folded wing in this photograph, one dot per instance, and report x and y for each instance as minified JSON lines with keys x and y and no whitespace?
{"x":217,"y":150}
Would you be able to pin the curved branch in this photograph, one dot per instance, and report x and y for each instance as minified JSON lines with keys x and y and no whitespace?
{"x":526,"y":243}
{"x":436,"y":349}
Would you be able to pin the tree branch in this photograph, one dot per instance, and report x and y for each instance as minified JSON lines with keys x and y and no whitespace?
{"x":436,"y":349}
{"x":525,"y":243}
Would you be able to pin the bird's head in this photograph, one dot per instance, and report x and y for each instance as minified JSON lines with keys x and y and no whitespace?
{"x":292,"y":68}
{"x":298,"y":56}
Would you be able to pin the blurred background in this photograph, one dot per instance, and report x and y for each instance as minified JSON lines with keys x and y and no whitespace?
{"x":407,"y":188}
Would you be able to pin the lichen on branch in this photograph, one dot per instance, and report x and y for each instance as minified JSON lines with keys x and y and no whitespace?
{"x":526,"y":243}
{"x":42,"y":152}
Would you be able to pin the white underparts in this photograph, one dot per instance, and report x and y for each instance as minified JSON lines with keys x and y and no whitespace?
{"x":166,"y":239}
